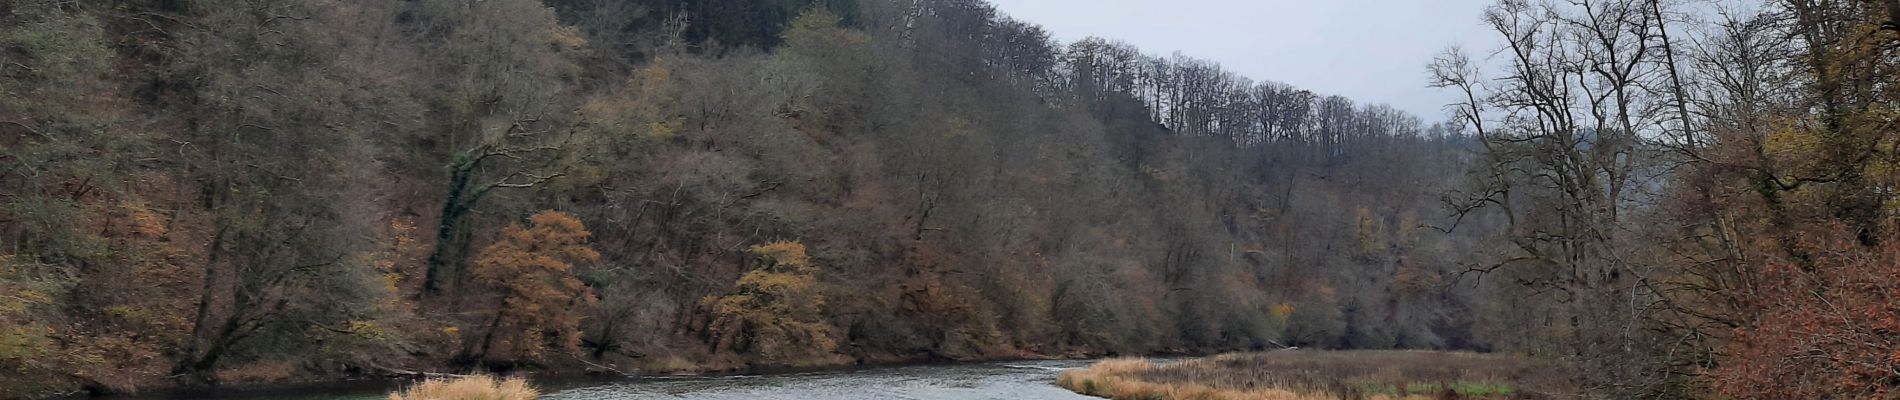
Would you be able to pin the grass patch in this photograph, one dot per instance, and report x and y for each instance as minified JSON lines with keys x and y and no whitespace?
{"x":478,"y":387}
{"x":1320,"y":375}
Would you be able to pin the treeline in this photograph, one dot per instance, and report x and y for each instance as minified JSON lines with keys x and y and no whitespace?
{"x":1699,"y":197}
{"x":218,"y":191}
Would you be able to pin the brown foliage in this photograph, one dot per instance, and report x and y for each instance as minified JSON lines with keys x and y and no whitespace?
{"x":530,"y":271}
{"x":1828,"y":326}
{"x":775,"y":313}
{"x":277,"y":166}
{"x":1810,"y":296}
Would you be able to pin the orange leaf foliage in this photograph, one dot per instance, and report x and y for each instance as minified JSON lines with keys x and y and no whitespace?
{"x":1828,"y":327}
{"x":531,"y":269}
{"x":776,"y":312}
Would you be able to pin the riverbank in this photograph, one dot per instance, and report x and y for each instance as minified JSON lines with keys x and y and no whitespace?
{"x":1321,"y":375}
{"x":569,"y":371}
{"x":1026,"y":380}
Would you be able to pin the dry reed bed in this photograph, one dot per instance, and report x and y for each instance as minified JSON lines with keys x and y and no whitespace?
{"x":476,"y":387}
{"x":1320,"y":375}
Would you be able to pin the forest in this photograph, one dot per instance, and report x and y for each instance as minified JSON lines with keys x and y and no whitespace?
{"x":1678,"y":198}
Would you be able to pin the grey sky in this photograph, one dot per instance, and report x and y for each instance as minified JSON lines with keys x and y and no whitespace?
{"x":1373,"y":51}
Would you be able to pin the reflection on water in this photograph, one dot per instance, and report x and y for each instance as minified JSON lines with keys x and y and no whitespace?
{"x":1026,"y":380}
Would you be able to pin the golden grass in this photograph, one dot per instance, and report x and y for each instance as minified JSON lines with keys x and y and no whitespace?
{"x":1310,"y":375}
{"x":1118,"y":379}
{"x":478,"y":387}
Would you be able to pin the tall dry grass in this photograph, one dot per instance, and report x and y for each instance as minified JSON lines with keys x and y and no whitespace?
{"x":1119,"y":379}
{"x":1315,"y":375}
{"x":477,"y":387}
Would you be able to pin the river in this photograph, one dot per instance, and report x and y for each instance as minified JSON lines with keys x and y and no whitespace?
{"x":1025,"y":380}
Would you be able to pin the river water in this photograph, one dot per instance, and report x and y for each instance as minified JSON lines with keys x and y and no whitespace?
{"x":1029,"y":380}
{"x":1011,"y":380}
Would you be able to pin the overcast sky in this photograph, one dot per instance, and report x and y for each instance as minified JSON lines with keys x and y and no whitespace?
{"x":1373,"y":51}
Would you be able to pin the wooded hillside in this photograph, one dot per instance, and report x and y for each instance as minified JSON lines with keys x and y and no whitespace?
{"x":227,"y":191}
{"x":1680,"y":199}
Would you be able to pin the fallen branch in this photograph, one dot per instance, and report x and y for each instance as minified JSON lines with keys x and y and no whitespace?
{"x":604,"y":367}
{"x":403,"y":373}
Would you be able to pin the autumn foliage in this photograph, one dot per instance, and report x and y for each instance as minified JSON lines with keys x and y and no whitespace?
{"x":775,"y":312}
{"x":1816,"y":308}
{"x":230,"y":191}
{"x":530,"y":270}
{"x":1828,"y":326}
{"x":245,"y":191}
